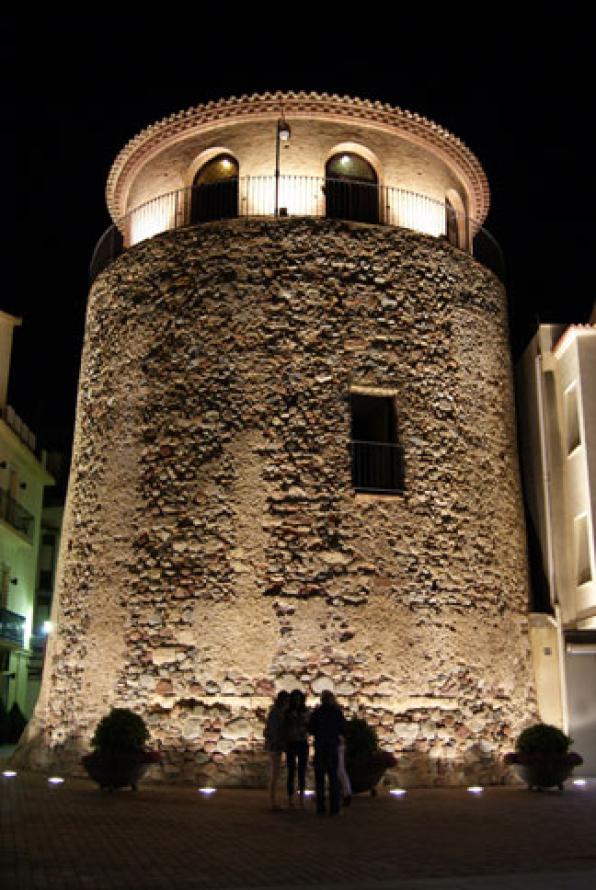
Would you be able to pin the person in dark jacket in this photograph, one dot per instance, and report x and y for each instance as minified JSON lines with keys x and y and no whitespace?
{"x":327,"y":724}
{"x":296,"y":733}
{"x":275,"y":742}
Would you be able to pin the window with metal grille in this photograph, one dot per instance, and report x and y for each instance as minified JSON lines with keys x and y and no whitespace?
{"x":377,"y":457}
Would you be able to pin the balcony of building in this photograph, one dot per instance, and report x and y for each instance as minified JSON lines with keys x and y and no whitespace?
{"x":16,"y":517}
{"x":298,"y":196}
{"x":12,"y":629}
{"x":19,"y":427}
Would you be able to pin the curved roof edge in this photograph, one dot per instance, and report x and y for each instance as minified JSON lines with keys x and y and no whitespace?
{"x":410,"y":123}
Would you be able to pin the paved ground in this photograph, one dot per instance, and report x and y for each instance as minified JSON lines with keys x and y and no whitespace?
{"x":74,"y":836}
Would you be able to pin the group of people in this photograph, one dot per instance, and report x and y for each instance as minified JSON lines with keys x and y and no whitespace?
{"x":289,"y":724}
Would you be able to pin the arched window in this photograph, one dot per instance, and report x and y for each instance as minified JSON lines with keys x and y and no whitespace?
{"x":351,"y":188}
{"x":215,"y":190}
{"x":451,"y":227}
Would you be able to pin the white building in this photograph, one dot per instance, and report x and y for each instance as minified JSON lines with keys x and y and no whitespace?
{"x":557,"y":422}
{"x":23,"y":477}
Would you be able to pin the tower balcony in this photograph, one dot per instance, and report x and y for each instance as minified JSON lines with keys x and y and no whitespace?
{"x":298,"y":196}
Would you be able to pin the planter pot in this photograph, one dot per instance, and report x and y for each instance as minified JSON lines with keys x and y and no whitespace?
{"x":366,"y":774}
{"x":119,"y":770}
{"x":543,"y":771}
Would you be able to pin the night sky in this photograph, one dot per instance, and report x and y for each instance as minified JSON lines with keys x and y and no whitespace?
{"x":77,"y":88}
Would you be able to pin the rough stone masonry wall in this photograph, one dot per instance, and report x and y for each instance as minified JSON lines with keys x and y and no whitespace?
{"x":214,"y":549}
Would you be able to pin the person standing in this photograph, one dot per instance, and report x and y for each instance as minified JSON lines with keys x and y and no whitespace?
{"x":327,"y":724}
{"x":342,"y":773}
{"x":296,"y":744}
{"x":275,"y":742}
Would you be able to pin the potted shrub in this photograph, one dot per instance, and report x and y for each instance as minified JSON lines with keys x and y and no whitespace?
{"x":542,"y":757}
{"x":120,"y":757}
{"x":365,"y":761}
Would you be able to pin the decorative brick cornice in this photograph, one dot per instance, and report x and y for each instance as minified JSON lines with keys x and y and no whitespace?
{"x":407,"y":123}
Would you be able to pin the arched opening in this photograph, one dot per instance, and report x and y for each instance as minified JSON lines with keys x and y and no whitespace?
{"x":351,"y":188}
{"x":456,"y":230}
{"x":451,"y":223}
{"x":215,"y":190}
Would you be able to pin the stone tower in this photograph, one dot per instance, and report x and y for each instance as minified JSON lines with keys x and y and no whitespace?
{"x":294,"y":461}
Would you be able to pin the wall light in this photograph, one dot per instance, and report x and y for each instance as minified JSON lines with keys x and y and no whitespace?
{"x":309,"y":792}
{"x":207,"y":791}
{"x":55,"y":780}
{"x":47,"y":627}
{"x":398,"y":792}
{"x":9,"y":774}
{"x":581,"y":783}
{"x":475,"y":789}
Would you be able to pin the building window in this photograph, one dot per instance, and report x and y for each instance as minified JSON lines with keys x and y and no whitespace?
{"x":572,"y":419}
{"x":351,"y":188}
{"x":377,"y":458}
{"x":582,"y":549}
{"x":4,"y":582}
{"x":215,"y":190}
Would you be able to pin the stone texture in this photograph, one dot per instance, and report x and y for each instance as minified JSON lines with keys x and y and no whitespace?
{"x":214,"y":549}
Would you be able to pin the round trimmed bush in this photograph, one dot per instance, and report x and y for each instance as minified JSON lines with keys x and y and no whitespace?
{"x":361,"y":740}
{"x":120,"y":730}
{"x":543,"y":739}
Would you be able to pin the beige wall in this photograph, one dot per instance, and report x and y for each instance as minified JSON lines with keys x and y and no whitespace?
{"x":575,"y":357}
{"x":7,"y":325}
{"x":17,"y":553}
{"x":546,"y":661}
{"x":558,"y":419}
{"x":214,"y":549}
{"x":557,"y":410}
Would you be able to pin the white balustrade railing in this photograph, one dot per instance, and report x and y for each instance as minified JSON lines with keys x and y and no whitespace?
{"x":255,"y":196}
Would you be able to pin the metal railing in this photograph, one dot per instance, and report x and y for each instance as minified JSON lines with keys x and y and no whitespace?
{"x":16,"y":515}
{"x":19,"y":427}
{"x":377,"y":467}
{"x":12,"y":627}
{"x":299,"y":196}
{"x":37,"y":646}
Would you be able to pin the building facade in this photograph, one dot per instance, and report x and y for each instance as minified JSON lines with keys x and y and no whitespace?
{"x":557,"y":421}
{"x":22,"y":479}
{"x":295,"y":461}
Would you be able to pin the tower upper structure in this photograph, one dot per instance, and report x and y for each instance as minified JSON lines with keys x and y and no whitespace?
{"x":420,"y":171}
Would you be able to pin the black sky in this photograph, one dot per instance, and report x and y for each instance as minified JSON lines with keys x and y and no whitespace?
{"x":81,"y":85}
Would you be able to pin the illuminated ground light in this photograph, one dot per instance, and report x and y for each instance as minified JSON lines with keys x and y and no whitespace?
{"x":207,"y":791}
{"x":397,"y":792}
{"x":9,"y":774}
{"x":55,"y":780}
{"x":475,"y":789}
{"x":581,"y":783}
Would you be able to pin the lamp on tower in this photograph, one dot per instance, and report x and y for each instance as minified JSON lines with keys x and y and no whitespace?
{"x":283,"y":133}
